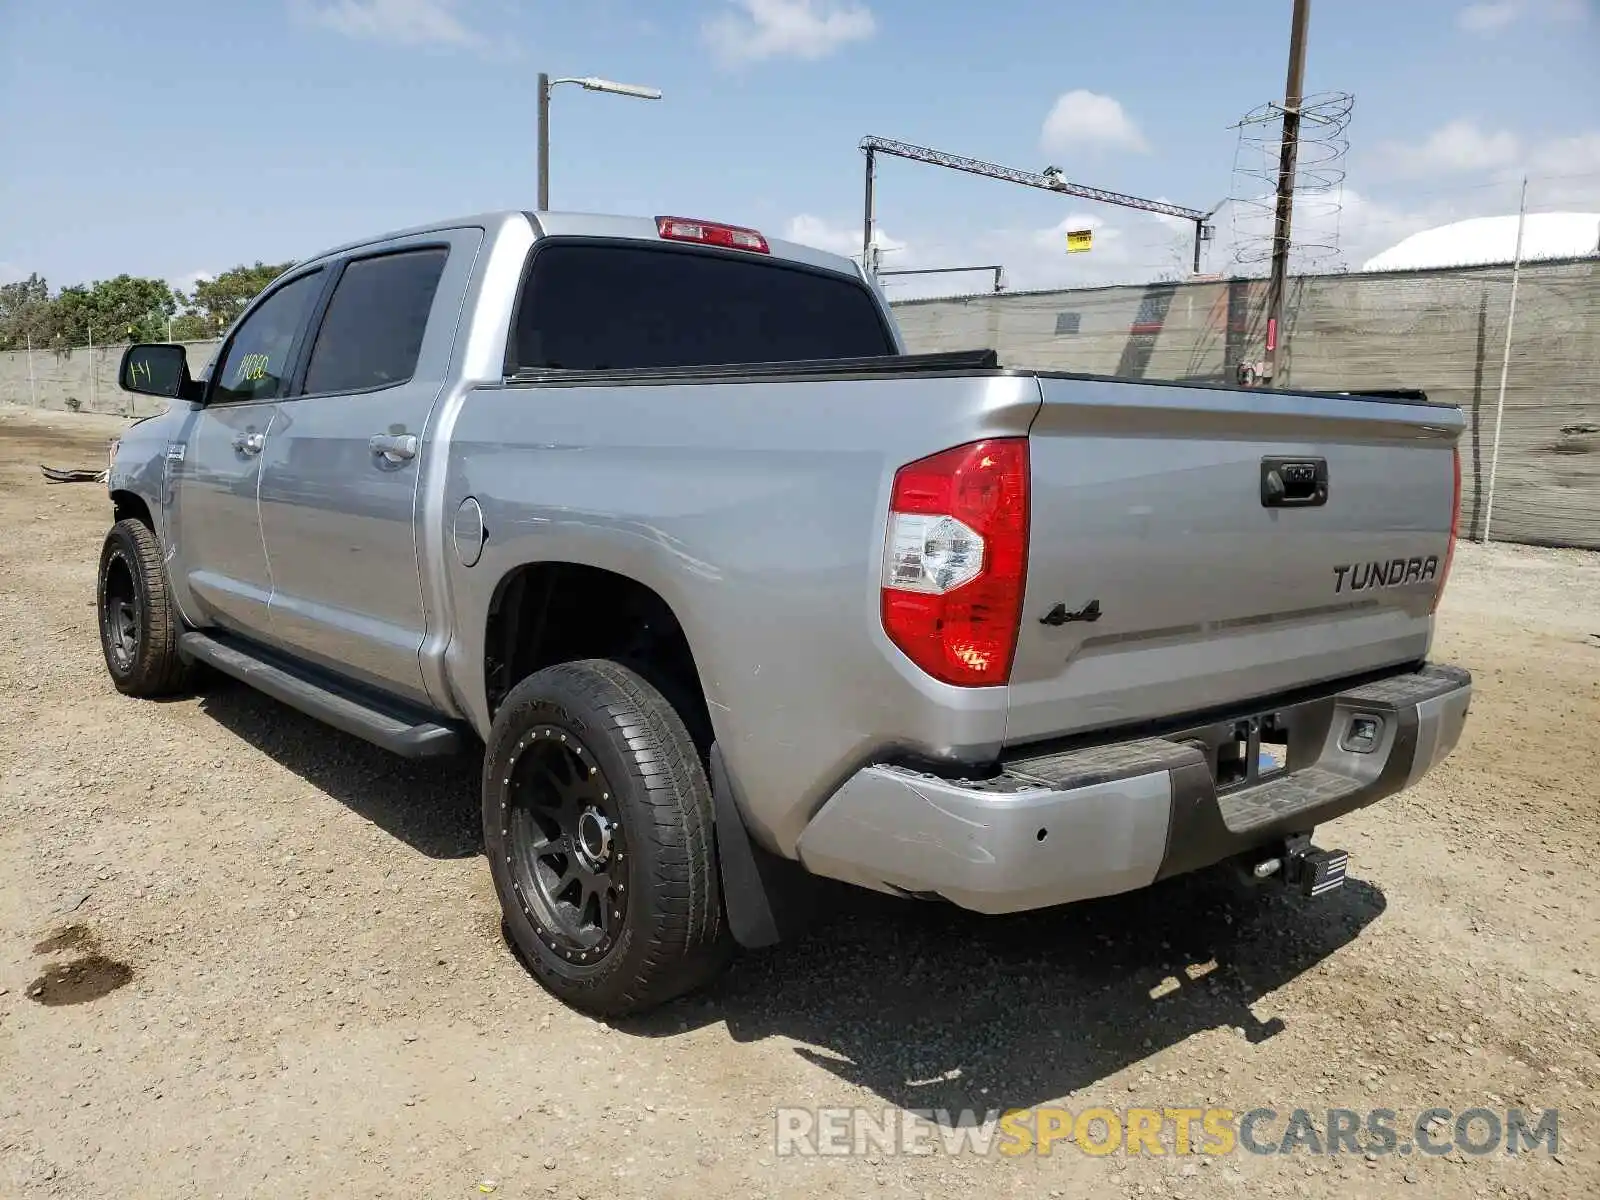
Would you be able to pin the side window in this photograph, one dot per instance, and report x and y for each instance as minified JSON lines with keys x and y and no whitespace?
{"x":257,"y":361}
{"x":372,"y":333}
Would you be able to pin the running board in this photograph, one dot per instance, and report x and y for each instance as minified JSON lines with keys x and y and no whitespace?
{"x":408,"y":734}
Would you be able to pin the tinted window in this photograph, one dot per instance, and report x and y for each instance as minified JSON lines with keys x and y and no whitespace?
{"x":600,"y":307}
{"x":372,"y":333}
{"x":258,"y":357}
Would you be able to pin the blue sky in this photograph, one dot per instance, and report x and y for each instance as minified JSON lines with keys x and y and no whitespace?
{"x":176,"y":137}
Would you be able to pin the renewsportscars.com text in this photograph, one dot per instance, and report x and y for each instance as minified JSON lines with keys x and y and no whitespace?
{"x":1101,"y":1131}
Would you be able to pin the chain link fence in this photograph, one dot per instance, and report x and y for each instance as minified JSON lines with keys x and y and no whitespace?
{"x":1442,"y":331}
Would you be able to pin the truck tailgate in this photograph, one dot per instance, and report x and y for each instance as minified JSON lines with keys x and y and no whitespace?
{"x":1165,"y":577}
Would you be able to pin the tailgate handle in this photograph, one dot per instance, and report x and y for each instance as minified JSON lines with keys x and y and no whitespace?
{"x":1294,"y":482}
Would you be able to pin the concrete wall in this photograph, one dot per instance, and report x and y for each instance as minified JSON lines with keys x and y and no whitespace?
{"x":1440,"y":331}
{"x":56,"y":378}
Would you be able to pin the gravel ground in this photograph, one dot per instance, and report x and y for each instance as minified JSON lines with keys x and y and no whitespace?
{"x":243,"y":955}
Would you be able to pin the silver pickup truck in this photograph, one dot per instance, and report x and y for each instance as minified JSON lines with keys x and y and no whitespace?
{"x":736,"y":594}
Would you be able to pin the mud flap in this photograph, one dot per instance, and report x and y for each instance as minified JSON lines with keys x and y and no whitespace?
{"x":768,"y":898}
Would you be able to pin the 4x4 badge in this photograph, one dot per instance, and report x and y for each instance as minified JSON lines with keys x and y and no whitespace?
{"x":1060,"y":616}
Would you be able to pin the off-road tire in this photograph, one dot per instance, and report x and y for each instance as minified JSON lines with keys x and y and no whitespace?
{"x":673,"y":935}
{"x":139,"y":623}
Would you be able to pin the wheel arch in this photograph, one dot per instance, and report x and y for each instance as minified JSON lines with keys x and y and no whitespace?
{"x":130,"y":506}
{"x":548,"y":612}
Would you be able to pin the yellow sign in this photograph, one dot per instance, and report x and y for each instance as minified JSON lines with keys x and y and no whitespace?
{"x":1080,"y":241}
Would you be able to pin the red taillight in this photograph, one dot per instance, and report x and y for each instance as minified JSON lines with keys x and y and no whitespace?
{"x":732,"y":237}
{"x":1455,"y":532}
{"x":956,"y":559}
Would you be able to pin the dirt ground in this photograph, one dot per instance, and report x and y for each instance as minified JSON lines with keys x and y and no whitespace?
{"x":244,"y":955}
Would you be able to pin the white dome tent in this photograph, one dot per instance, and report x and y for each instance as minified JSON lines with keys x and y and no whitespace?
{"x":1484,"y":240}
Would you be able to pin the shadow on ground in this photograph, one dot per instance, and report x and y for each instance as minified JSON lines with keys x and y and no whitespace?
{"x":923,"y":1004}
{"x":931,"y":1007}
{"x":431,"y":805}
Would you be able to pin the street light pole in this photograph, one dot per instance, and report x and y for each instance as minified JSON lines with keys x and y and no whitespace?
{"x":544,"y":141}
{"x":588,"y":83}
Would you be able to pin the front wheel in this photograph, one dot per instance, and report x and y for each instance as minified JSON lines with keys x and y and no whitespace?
{"x":139,"y":623}
{"x":597,"y":820}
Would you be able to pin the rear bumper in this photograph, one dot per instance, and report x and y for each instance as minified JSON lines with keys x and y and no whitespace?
{"x":1058,"y":827}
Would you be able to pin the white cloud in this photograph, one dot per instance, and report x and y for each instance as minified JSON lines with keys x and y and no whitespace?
{"x":1562,"y":171}
{"x":1128,"y":248}
{"x":1082,"y":118}
{"x":1578,"y":155}
{"x":1485,"y":18}
{"x":1491,"y":16}
{"x":806,"y":29}
{"x":822,"y":235}
{"x":1328,"y":232}
{"x":185,"y":282}
{"x":402,"y":22}
{"x":1456,"y":147}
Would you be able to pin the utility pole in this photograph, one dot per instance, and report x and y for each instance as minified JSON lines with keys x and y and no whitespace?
{"x":1505,"y":359}
{"x":867,"y":264}
{"x":1293,"y":96}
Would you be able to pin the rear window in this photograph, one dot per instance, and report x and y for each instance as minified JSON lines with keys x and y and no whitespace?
{"x":590,"y":307}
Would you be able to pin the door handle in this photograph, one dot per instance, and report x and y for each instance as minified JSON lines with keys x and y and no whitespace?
{"x":394,"y":447}
{"x":250,"y":443}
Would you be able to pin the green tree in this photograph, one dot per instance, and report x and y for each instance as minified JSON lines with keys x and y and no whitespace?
{"x":26,"y":311}
{"x":124,"y":309}
{"x":192,"y":327}
{"x":218,"y":302}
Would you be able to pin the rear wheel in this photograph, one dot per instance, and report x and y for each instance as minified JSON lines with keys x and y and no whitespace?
{"x":598,"y":825}
{"x":139,"y":623}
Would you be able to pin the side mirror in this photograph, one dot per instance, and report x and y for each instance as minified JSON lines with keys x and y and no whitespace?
{"x":157,"y":369}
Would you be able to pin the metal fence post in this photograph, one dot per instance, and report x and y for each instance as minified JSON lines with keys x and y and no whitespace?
{"x":1505,"y":360}
{"x":33,"y":388}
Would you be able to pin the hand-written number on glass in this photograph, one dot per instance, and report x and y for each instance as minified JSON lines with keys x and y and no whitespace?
{"x":251,"y":367}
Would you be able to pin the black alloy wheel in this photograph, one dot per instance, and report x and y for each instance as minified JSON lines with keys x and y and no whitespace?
{"x":598,"y":825}
{"x":569,"y":847}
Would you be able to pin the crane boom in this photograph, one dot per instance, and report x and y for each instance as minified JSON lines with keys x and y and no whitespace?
{"x":1049,"y":183}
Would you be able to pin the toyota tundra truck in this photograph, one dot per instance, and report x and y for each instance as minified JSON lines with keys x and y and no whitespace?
{"x":735,"y":595}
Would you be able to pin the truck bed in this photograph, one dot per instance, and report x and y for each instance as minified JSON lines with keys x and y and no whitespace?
{"x":754,"y":499}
